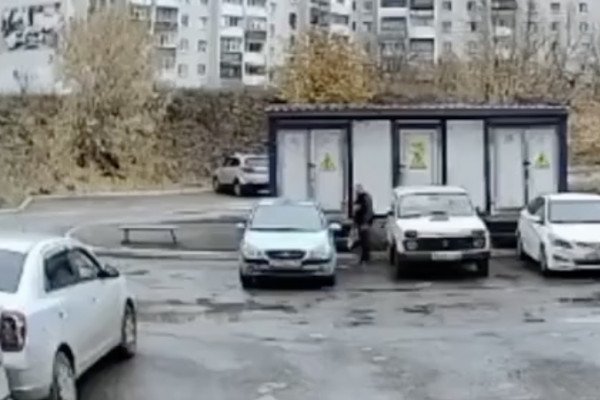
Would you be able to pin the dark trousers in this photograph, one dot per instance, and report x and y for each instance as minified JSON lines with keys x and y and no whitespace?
{"x":364,"y":236}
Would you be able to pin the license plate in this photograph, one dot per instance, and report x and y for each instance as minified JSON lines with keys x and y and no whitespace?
{"x":286,"y":264}
{"x":445,"y":256}
{"x":593,"y":256}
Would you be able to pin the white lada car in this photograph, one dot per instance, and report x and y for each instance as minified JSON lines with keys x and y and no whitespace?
{"x":561,"y":232}
{"x":436,"y":224}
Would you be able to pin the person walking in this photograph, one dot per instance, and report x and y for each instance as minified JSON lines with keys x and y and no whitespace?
{"x":363,"y":219}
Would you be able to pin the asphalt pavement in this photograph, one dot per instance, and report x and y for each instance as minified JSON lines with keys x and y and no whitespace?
{"x":439,"y":334}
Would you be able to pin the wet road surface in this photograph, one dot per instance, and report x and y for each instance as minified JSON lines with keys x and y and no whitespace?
{"x":445,"y":336}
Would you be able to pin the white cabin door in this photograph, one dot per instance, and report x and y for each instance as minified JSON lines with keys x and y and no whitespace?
{"x":327,"y":168}
{"x":293,"y":160}
{"x":542,"y":160}
{"x":419,"y":157}
{"x":508,"y":169}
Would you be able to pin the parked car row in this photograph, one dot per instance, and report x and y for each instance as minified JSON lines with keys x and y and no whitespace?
{"x":61,"y":311}
{"x":426,"y":224}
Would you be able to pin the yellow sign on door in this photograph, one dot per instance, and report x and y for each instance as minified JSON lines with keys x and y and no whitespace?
{"x":417,"y":155}
{"x":327,"y":164}
{"x":542,"y":161}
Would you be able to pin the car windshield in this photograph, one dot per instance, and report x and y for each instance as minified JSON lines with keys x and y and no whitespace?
{"x":574,"y":211}
{"x":420,"y":204}
{"x":254,"y":162}
{"x":11,"y":268}
{"x":287,"y":218}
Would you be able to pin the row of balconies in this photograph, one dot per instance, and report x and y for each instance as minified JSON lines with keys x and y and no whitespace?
{"x":419,"y":5}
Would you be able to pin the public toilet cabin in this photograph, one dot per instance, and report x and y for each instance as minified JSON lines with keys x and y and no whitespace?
{"x":503,"y":155}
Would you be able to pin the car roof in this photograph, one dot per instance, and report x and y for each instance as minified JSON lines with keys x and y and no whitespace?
{"x":404,"y":190}
{"x":279,"y":201}
{"x":570,"y":196}
{"x":24,"y":242}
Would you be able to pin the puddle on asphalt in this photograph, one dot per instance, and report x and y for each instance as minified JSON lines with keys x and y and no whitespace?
{"x":138,"y":272}
{"x":360,"y":317}
{"x":592,"y":300}
{"x":203,"y":306}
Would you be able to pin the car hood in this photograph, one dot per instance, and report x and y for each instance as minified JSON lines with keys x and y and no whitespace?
{"x":434,"y":226}
{"x":274,"y":240}
{"x":577,"y":232}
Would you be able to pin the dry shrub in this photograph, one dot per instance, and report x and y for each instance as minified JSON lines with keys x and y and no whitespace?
{"x":322,"y":68}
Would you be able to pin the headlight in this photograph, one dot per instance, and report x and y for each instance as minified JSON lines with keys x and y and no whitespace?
{"x":478,"y":233}
{"x":249,"y":251}
{"x":558,"y":242}
{"x":411,"y":245}
{"x":479,"y":242}
{"x":410,"y":234}
{"x":323,"y":252}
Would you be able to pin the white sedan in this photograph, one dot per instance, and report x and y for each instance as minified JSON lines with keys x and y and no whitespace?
{"x":561,"y":232}
{"x":287,"y":239}
{"x":62,"y":310}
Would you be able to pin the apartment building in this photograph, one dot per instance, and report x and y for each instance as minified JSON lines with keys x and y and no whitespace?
{"x":425,"y":30}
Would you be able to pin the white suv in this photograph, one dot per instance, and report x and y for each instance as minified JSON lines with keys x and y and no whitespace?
{"x":436,"y":224}
{"x":61,"y":312}
{"x":242,"y":173}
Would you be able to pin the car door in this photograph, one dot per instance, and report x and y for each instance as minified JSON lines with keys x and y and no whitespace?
{"x":104,"y":297}
{"x":71,"y":302}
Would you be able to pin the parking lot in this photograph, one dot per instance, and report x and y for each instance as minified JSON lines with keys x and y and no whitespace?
{"x":436,"y":335}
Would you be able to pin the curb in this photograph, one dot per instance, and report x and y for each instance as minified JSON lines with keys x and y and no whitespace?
{"x":135,"y":193}
{"x":207,"y":255}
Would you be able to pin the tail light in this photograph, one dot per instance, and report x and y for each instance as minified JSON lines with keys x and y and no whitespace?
{"x":248,"y":170}
{"x":12,"y":331}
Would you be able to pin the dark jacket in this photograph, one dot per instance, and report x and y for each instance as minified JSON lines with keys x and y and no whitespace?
{"x":363,"y":212}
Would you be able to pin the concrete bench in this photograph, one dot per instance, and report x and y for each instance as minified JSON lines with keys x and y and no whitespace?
{"x":127,"y":229}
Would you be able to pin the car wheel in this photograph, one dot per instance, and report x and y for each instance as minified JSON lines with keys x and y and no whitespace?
{"x":64,"y":386}
{"x":128,"y":346}
{"x":238,"y":189}
{"x":329,"y":281}
{"x":520,"y":252}
{"x":246,"y":281}
{"x":544,"y":263}
{"x":483,"y":268}
{"x":217,"y":188}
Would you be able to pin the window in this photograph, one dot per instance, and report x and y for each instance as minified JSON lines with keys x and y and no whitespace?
{"x":393,"y":3}
{"x":85,"y":266}
{"x":447,"y":47}
{"x":254,"y":47}
{"x":555,"y":7}
{"x":204,"y":2}
{"x":182,"y":70}
{"x":340,"y":19}
{"x":293,"y":20}
{"x":451,"y":204}
{"x":257,"y":3}
{"x":447,"y":5}
{"x":353,"y":25}
{"x":11,"y":268}
{"x":584,"y":27}
{"x":368,"y":5}
{"x":201,"y":69}
{"x":184,"y":45}
{"x":231,"y":162}
{"x":447,"y":26}
{"x":255,"y":69}
{"x":534,"y":205}
{"x":231,"y":45}
{"x":58,"y":272}
{"x":168,"y":63}
{"x":231,"y":21}
{"x":583,"y":8}
{"x":472,"y":46}
{"x":574,"y":211}
{"x":532,"y":27}
{"x":473,"y":26}
{"x":471,"y":6}
{"x":393,"y":24}
{"x":202,"y":46}
{"x":287,"y":217}
{"x":367,"y":26}
{"x":554,"y":27}
{"x":203,"y":22}
{"x":185,"y":20}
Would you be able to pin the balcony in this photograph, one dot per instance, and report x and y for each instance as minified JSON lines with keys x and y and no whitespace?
{"x":231,"y":58}
{"x":503,"y":31}
{"x":393,"y":3}
{"x":256,"y":25}
{"x":257,"y":59}
{"x":504,"y":5}
{"x":422,"y":32}
{"x":393,"y":26}
{"x":165,"y":41}
{"x":421,"y":5}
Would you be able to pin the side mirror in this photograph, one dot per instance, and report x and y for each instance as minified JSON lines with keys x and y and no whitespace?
{"x":390,"y":213}
{"x":479,"y":211}
{"x":109,"y":272}
{"x":335,"y":227}
{"x":240,"y":226}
